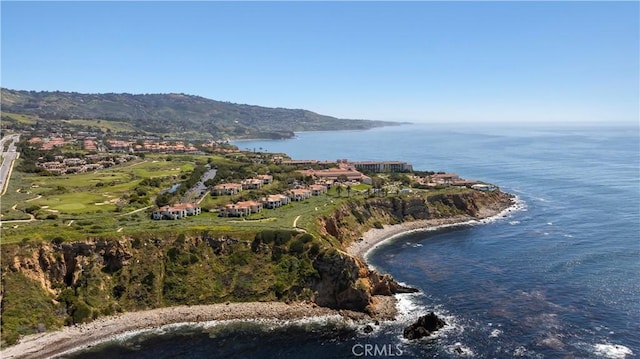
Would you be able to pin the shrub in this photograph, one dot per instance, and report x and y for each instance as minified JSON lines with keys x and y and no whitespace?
{"x":378,"y":225}
{"x":81,"y":313}
{"x":297,"y":246}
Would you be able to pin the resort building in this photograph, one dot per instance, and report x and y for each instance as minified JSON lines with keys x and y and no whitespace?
{"x":227,"y":189}
{"x":334,"y":174}
{"x":383,"y":167}
{"x":445,"y":178}
{"x":318,"y":189}
{"x":177,"y":211}
{"x":252,"y":183}
{"x":299,"y":194}
{"x":275,"y":201}
{"x":240,"y":209}
{"x":266,"y":179}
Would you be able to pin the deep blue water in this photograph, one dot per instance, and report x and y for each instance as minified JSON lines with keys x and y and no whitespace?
{"x":559,"y":278}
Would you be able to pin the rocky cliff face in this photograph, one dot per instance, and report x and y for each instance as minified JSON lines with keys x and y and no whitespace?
{"x":47,"y":284}
{"x":356,"y":217}
{"x":348,"y":283}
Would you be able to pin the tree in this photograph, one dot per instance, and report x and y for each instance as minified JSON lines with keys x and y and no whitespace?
{"x":348,"y":191}
{"x":339,"y":190}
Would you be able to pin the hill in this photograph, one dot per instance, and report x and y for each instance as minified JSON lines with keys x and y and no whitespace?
{"x":176,"y":113}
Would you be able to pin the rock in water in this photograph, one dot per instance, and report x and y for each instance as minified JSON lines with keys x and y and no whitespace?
{"x":425,"y":325}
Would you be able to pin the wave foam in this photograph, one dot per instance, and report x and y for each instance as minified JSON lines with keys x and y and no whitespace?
{"x":614,"y":351}
{"x":460,"y":350}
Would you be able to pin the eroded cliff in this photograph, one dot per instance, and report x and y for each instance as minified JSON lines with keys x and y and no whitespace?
{"x":46,"y":285}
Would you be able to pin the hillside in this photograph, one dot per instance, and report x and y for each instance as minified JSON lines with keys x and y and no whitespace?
{"x":176,"y":113}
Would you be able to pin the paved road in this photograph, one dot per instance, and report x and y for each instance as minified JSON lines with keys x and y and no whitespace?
{"x":7,"y":160}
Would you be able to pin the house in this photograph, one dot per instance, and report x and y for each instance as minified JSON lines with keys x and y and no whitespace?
{"x":299,"y":194}
{"x":234,"y":210}
{"x":318,"y":189}
{"x":266,"y":179}
{"x":240,"y":209}
{"x":253,"y":183}
{"x":191,"y":209}
{"x":275,"y":201}
{"x":445,"y":178}
{"x":227,"y":189}
{"x":180,"y":210}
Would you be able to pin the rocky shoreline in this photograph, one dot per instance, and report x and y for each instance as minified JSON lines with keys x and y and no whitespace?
{"x":78,"y":337}
{"x":376,"y":236}
{"x":82,"y":336}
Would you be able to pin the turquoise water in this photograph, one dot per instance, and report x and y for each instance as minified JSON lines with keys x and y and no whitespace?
{"x":558,"y":278}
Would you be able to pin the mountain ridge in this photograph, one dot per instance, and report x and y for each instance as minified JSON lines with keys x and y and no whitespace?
{"x":177,"y":113}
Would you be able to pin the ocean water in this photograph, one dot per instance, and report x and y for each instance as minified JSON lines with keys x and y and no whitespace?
{"x":558,"y":278}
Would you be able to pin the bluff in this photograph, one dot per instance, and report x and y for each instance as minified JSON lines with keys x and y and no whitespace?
{"x":49,"y":284}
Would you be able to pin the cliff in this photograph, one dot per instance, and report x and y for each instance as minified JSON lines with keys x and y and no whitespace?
{"x":46,"y":285}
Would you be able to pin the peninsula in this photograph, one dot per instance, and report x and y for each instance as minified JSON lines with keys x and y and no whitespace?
{"x":113,"y":229}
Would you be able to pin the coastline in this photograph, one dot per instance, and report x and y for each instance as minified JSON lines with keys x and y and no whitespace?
{"x":376,"y":237}
{"x":82,"y":336}
{"x":75,"y":338}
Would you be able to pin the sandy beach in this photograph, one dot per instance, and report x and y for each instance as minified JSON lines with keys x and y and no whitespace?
{"x":377,"y":236}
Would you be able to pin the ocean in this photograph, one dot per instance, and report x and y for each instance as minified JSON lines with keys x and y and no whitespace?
{"x":558,"y":278}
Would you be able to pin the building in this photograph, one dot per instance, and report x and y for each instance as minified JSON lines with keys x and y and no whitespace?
{"x":484,"y":187}
{"x":383,"y":167}
{"x":227,"y":189}
{"x":240,"y":209}
{"x":177,"y":211}
{"x":299,"y":194}
{"x":266,"y":179}
{"x":335,"y":174}
{"x":275,"y":201}
{"x":252,"y":183}
{"x":318,"y":189}
{"x":445,"y":178}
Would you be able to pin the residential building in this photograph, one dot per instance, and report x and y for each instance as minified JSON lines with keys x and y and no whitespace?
{"x":177,"y":211}
{"x":266,"y":179}
{"x":445,"y":178}
{"x":275,"y":201}
{"x":252,"y":183}
{"x":227,"y":189}
{"x":299,"y":194}
{"x":240,"y":209}
{"x":318,"y":189}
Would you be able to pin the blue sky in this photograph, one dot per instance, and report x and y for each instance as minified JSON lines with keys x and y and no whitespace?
{"x":553,"y":62}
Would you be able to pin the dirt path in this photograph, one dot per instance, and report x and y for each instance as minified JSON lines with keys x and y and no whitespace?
{"x":135,"y":211}
{"x":295,"y":222}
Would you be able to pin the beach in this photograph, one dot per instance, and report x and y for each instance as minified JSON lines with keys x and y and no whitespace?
{"x":67,"y":339}
{"x":377,"y":236}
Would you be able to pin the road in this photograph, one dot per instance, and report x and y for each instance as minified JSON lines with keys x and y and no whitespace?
{"x":8,"y":158}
